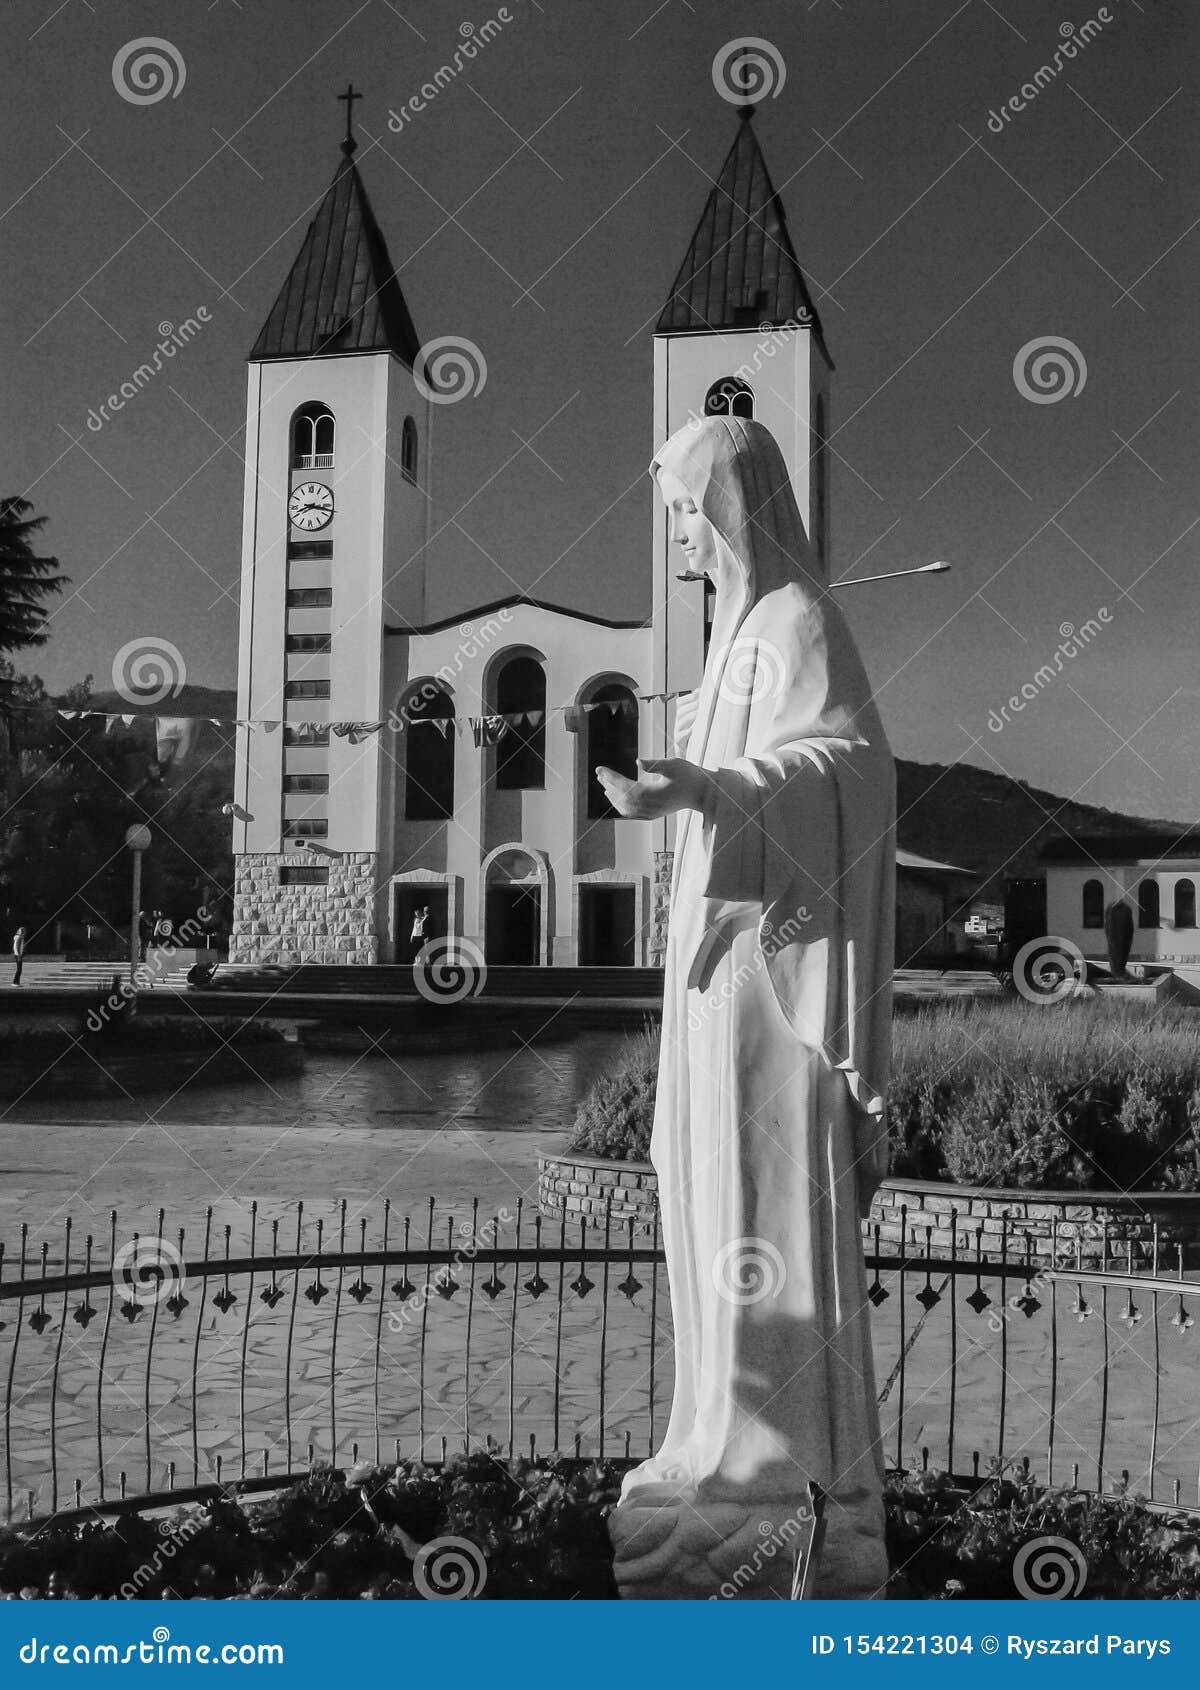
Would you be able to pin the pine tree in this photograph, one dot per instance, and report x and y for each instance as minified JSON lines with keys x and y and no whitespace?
{"x":25,"y":579}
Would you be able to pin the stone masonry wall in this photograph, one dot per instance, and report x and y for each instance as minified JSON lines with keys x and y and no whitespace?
{"x":660,"y":896}
{"x":1095,"y":1229}
{"x":290,"y":925}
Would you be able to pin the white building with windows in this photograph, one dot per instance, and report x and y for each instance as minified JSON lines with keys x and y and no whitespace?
{"x":445,"y":765}
{"x":1155,"y":873}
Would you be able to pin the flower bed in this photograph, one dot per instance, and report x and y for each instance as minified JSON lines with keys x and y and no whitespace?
{"x":499,"y":1530}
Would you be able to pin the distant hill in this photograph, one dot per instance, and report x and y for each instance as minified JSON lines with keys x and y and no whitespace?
{"x":189,"y":701}
{"x":985,"y":821}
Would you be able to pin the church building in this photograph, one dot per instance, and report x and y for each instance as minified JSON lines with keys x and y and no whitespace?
{"x":391,"y":762}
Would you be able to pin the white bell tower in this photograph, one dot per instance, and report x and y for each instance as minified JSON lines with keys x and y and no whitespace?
{"x":739,"y":334}
{"x":335,"y":524}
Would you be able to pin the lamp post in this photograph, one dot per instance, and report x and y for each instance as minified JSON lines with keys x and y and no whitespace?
{"x":137,"y":838}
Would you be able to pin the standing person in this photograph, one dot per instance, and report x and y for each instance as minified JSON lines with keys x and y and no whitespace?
{"x":18,"y":951}
{"x":769,"y":1132}
{"x":418,"y":935}
{"x":145,"y":929}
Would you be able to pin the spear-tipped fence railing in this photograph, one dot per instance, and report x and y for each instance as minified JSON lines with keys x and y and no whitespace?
{"x":139,"y":1365}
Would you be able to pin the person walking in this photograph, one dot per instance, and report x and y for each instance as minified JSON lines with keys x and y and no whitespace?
{"x":18,"y":951}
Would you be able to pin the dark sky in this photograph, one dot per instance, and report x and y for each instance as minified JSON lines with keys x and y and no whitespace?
{"x":540,"y":207}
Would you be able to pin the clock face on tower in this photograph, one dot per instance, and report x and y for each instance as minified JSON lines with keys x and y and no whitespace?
{"x":310,"y":506}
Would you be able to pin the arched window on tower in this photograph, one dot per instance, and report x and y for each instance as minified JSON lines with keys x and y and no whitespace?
{"x":1148,"y":904}
{"x":408,"y":450}
{"x":612,"y":741}
{"x":521,"y":753}
{"x":312,"y":437}
{"x":1185,"y":903}
{"x":820,"y":474}
{"x":428,"y":711}
{"x":1093,"y":903}
{"x":729,"y":397}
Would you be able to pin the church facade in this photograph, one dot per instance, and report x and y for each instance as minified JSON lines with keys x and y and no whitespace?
{"x":401,"y":777}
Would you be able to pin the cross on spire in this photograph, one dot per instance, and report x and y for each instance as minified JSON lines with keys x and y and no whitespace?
{"x":350,"y":145}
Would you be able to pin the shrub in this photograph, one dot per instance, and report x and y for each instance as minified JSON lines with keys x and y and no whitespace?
{"x":1077,"y":1096}
{"x":948,"y":1544}
{"x":615,"y":1118}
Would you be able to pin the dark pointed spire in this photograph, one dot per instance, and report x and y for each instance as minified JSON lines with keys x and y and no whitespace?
{"x":741,"y":268}
{"x":341,"y":294}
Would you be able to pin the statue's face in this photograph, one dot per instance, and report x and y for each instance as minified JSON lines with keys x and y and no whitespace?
{"x":690,"y":528}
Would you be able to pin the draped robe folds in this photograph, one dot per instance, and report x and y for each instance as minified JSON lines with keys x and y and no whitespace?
{"x":769,"y":1134}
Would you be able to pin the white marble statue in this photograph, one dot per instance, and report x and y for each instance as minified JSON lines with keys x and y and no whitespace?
{"x":769,"y":1134}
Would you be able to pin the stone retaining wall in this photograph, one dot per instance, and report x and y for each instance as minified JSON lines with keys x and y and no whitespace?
{"x":1091,"y":1227}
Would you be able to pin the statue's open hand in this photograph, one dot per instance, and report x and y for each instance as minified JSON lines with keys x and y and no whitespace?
{"x":664,"y":785}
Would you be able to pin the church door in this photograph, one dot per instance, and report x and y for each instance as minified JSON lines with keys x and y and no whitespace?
{"x":408,"y":900}
{"x":513,"y":925}
{"x":606,"y":926}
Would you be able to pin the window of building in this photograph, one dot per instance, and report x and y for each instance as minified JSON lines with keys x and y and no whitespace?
{"x":428,"y":754}
{"x":310,"y":549}
{"x":306,"y":689}
{"x":310,"y":598}
{"x":306,"y":734}
{"x":309,"y":829}
{"x":304,"y":877}
{"x":521,"y":754}
{"x":408,"y":450}
{"x":308,"y":642}
{"x":1185,"y":903}
{"x":611,"y":741}
{"x":306,"y":783}
{"x":1148,"y":904}
{"x":729,"y":397}
{"x":1093,"y":903}
{"x":312,"y":437}
{"x":820,"y":469}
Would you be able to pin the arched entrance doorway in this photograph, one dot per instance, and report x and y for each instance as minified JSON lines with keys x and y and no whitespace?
{"x":515,"y":913}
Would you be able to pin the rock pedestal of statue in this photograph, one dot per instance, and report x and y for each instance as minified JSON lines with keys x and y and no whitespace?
{"x":671,"y":1549}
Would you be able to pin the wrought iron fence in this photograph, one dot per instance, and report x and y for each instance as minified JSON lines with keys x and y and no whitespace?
{"x":141,"y":1365}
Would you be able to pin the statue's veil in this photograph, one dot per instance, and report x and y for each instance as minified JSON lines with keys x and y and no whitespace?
{"x":784,"y":687}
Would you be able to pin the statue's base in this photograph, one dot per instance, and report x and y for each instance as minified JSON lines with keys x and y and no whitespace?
{"x":667,"y":1547}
